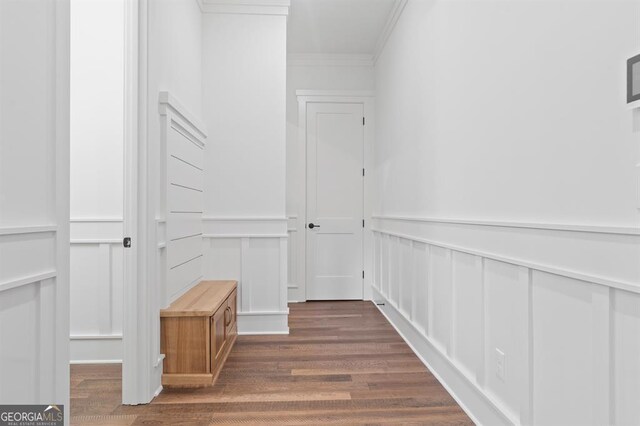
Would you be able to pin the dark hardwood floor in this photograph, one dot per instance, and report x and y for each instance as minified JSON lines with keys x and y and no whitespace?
{"x":343,"y":363}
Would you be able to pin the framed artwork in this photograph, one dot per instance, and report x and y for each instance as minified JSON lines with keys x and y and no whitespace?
{"x":633,"y":79}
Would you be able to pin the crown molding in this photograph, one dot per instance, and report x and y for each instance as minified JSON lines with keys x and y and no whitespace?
{"x":245,"y":7}
{"x":329,"y":60}
{"x":395,"y":14}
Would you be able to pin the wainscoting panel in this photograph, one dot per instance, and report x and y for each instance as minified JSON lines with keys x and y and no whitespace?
{"x":440,"y":290}
{"x":97,"y":277}
{"x":564,"y":350}
{"x":467,"y":329}
{"x":294,"y":272}
{"x":625,"y":353}
{"x":518,"y":328}
{"x":27,"y":333}
{"x":406,"y":277}
{"x":254,"y":252}
{"x":183,"y":144}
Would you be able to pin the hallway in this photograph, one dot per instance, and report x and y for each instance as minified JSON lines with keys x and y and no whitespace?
{"x":341,"y":363}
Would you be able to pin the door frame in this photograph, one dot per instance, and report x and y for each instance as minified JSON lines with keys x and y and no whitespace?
{"x":138,"y":312}
{"x":367,"y":99}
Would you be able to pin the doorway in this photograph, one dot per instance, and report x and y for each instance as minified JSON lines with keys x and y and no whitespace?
{"x":104,"y":188}
{"x":334,"y":201}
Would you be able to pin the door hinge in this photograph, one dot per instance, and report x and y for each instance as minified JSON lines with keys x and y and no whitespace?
{"x":362,"y":172}
{"x":363,"y":121}
{"x":363,"y":223}
{"x":126,"y":242}
{"x":362,"y":274}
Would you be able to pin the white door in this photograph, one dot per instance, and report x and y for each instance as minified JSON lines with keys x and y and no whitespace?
{"x":335,"y":141}
{"x":34,"y":202}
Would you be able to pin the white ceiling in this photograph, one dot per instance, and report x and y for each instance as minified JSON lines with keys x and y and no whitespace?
{"x":336,"y":26}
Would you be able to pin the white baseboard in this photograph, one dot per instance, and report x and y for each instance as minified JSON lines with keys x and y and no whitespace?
{"x":263,"y":323}
{"x":95,"y":349}
{"x":469,"y":396}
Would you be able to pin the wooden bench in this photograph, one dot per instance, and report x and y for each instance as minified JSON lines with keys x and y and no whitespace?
{"x":197,"y":333}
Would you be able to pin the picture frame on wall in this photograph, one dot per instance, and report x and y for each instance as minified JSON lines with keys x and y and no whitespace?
{"x":633,"y":79}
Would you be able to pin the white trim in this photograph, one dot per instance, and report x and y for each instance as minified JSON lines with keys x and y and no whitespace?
{"x":138,"y":314}
{"x":599,"y":229}
{"x":481,"y":408}
{"x":638,"y":170}
{"x":96,"y":219}
{"x":95,"y":361}
{"x":167,"y":102}
{"x":263,"y":333}
{"x":274,"y":322}
{"x":333,"y":96}
{"x":220,"y":236}
{"x":262,"y":313}
{"x":622,"y":285}
{"x":244,"y":227}
{"x":389,"y":26}
{"x":158,"y":391}
{"x":159,"y":360}
{"x":245,"y":7}
{"x":24,"y":230}
{"x":96,"y":241}
{"x":243,"y":218}
{"x":96,"y":337}
{"x":30,"y":279}
{"x":329,"y":60}
{"x":61,"y":289}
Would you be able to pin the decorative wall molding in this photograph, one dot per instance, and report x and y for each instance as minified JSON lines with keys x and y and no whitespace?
{"x":598,"y":229}
{"x":168,"y":102}
{"x":183,"y":139}
{"x":392,"y":20}
{"x":256,"y":323}
{"x":605,"y":256}
{"x":292,"y":257}
{"x":478,"y":406}
{"x":456,"y":306}
{"x":259,"y":262}
{"x":329,"y":60}
{"x":96,"y":219}
{"x":244,"y":227}
{"x":98,"y":349}
{"x":30,"y":279}
{"x":305,"y":96}
{"x":23,"y":230}
{"x":96,"y":337}
{"x":96,"y":241}
{"x":245,"y":7}
{"x":552,"y":269}
{"x":97,"y":280}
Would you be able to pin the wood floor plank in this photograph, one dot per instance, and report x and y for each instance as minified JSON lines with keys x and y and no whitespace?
{"x":342,"y":363}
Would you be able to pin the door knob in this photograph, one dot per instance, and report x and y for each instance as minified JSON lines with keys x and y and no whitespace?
{"x":311,"y":226}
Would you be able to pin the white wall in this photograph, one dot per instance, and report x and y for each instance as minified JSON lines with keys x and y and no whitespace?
{"x":507,"y":214}
{"x":244,"y":73}
{"x":311,"y":73}
{"x":97,"y":114}
{"x":34,"y":202}
{"x":491,"y":94}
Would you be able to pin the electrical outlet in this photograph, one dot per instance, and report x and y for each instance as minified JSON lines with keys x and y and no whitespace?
{"x":500,"y":370}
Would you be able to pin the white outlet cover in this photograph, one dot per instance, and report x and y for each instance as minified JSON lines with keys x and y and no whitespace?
{"x":500,"y":367}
